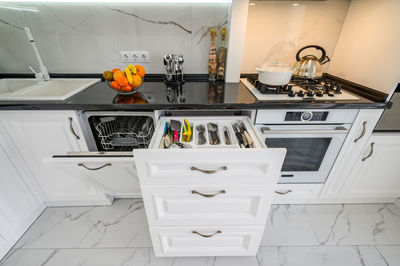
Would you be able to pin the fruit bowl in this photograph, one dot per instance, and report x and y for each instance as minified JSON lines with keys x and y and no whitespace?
{"x":135,"y":90}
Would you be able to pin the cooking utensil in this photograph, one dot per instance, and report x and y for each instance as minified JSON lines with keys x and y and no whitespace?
{"x":202,"y":138}
{"x":309,"y":66}
{"x":212,"y":132}
{"x":239,"y":136}
{"x":226,"y":135}
{"x":275,"y":73}
{"x":187,"y":134}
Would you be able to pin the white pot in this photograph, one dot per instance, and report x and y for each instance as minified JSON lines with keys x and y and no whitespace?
{"x":275,"y":74}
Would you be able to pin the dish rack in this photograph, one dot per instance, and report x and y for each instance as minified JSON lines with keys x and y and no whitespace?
{"x":124,"y":133}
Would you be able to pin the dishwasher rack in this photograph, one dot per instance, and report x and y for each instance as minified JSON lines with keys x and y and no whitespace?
{"x":124,"y":133}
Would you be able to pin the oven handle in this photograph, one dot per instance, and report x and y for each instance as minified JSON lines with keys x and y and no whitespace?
{"x":337,"y":130}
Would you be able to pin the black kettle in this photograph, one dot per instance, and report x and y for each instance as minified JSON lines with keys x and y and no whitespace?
{"x":309,"y":66}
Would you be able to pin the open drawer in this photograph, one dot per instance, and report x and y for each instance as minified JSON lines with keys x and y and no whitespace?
{"x":209,"y":164}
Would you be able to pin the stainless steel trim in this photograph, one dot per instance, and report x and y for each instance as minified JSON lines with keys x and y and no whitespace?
{"x":207,"y":236}
{"x":370,"y":153}
{"x":208,"y":195}
{"x":283,"y":193}
{"x":194,"y":168}
{"x":337,"y":130}
{"x":362,"y":133}
{"x":72,"y":129}
{"x":95,"y":168}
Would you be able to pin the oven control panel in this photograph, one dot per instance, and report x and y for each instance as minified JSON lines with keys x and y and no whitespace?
{"x":306,"y":116}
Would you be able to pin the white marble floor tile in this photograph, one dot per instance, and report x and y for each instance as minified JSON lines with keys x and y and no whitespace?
{"x":353,"y":224}
{"x":390,"y":254}
{"x":115,"y":256}
{"x":123,"y":224}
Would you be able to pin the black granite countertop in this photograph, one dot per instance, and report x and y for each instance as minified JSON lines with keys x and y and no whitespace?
{"x":195,"y":95}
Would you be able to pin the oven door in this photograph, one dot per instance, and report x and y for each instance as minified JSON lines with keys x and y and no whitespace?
{"x":311,"y":149}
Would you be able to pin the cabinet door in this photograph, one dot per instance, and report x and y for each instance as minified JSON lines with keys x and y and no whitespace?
{"x":112,"y":175}
{"x":376,"y":175}
{"x":351,"y":150}
{"x":17,"y":202}
{"x":40,"y":134}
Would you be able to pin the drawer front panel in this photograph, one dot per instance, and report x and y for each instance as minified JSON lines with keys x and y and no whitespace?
{"x":206,"y":241}
{"x":113,"y":176}
{"x":209,"y":166}
{"x":289,"y":193}
{"x":207,"y":205}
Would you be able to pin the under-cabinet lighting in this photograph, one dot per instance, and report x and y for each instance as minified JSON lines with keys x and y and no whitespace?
{"x":125,"y":1}
{"x":295,"y":4}
{"x":17,"y":8}
{"x":252,"y":4}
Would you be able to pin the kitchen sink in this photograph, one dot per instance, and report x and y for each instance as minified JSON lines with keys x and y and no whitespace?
{"x":33,"y":90}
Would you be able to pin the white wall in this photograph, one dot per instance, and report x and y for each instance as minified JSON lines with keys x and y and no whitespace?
{"x":278,"y":29}
{"x":368,"y":49}
{"x":87,"y":37}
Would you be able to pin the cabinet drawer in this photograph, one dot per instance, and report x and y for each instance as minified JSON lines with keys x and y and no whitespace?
{"x":115,"y":176}
{"x":208,"y":164}
{"x":206,"y":241}
{"x":288,"y":193}
{"x":207,"y":205}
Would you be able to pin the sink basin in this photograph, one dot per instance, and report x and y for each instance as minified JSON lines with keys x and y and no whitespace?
{"x":33,"y":90}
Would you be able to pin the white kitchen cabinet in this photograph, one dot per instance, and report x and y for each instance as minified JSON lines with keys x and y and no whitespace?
{"x":38,"y":136}
{"x":376,"y":175}
{"x":208,"y":200}
{"x":20,"y":201}
{"x":348,"y":156}
{"x":296,"y":193}
{"x":115,"y":176}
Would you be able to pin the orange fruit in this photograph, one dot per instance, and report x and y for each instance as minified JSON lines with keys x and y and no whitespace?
{"x":122,"y":81}
{"x":137,"y":81}
{"x":115,"y":85}
{"x":115,"y":69}
{"x":140,"y":71}
{"x":118,"y":74}
{"x":127,"y":88}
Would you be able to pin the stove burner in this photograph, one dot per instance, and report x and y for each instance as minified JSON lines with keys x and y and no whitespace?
{"x":313,"y":87}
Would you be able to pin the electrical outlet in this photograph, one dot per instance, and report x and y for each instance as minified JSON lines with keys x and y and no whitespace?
{"x":134,"y":56}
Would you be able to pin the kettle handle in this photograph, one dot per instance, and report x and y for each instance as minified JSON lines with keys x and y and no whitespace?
{"x":323,"y":56}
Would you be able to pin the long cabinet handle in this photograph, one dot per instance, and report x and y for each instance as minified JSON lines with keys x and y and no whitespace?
{"x":283,"y":193}
{"x":208,"y":195}
{"x":370,"y":153}
{"x":94,"y":169}
{"x":71,"y":128}
{"x":194,"y":168}
{"x":362,"y":133}
{"x":207,"y":236}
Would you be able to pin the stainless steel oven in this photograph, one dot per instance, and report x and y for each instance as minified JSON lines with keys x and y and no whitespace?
{"x":312,"y":143}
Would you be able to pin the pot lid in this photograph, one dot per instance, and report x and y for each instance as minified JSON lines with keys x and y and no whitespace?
{"x":275,"y":66}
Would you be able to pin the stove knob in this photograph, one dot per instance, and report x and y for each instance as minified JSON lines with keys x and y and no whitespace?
{"x":300,"y":93}
{"x":310,"y":93}
{"x":331,"y":94}
{"x":338,"y":89}
{"x":320,"y":93}
{"x":291,"y":93}
{"x":306,"y":116}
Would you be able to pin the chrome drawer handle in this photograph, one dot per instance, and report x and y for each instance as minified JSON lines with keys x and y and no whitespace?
{"x":72,"y":129}
{"x":208,"y":195}
{"x":94,"y":169}
{"x":370,"y":153}
{"x":283,"y":193}
{"x":362,"y":133}
{"x":207,"y":236}
{"x":194,"y":168}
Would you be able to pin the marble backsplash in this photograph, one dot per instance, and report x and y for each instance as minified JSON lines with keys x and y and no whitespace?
{"x":278,"y":29}
{"x":87,"y":37}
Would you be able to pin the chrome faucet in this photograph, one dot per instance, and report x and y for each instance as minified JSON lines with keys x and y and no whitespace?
{"x":43,"y":74}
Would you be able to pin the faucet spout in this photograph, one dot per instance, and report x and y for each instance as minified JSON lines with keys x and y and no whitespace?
{"x":43,"y":74}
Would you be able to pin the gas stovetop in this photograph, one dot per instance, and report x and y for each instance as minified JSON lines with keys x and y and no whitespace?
{"x":298,"y":89}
